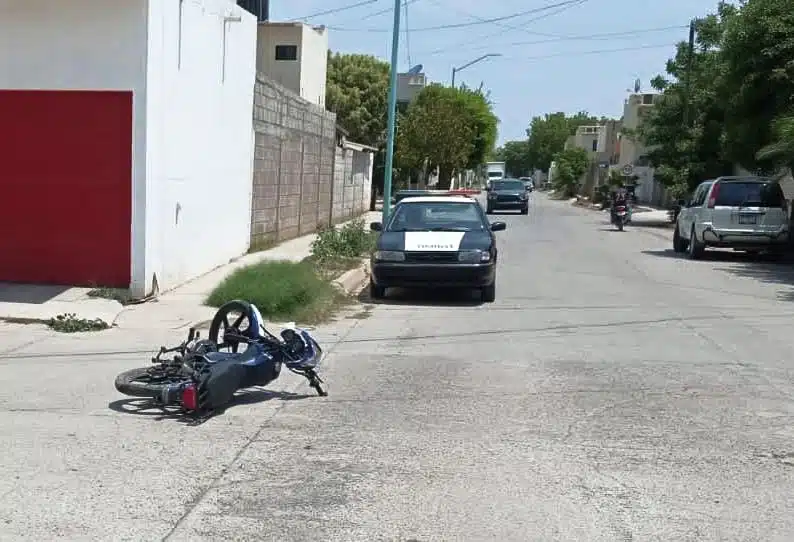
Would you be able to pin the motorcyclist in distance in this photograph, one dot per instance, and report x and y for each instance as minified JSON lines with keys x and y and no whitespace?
{"x":619,"y":197}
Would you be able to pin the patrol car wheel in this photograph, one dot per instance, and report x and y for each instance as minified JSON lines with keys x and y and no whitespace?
{"x":376,"y":292}
{"x":489,"y":293}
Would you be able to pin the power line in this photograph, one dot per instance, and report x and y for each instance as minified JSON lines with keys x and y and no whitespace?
{"x":488,"y":36}
{"x":407,"y":36}
{"x":467,"y":25}
{"x":336,"y":10}
{"x":592,"y":52}
{"x":384,"y":11}
{"x":586,"y":37}
{"x":478,"y":18}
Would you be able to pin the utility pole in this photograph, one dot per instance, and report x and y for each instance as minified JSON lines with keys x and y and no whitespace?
{"x":688,"y":79}
{"x":387,"y":173}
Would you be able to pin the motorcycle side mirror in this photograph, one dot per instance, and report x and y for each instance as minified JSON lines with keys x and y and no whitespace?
{"x":376,"y":226}
{"x":498,"y":226}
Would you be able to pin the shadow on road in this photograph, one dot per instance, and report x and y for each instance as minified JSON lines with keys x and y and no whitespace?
{"x":725,"y":256}
{"x":147,"y":407}
{"x":762,"y":268}
{"x":437,"y":297}
{"x":780,"y":273}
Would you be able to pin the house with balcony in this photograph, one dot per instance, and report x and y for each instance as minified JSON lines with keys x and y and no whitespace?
{"x":600,"y":142}
{"x":633,"y":153}
{"x":409,"y":85}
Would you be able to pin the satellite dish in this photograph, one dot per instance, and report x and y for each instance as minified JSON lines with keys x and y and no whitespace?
{"x":416,"y":69}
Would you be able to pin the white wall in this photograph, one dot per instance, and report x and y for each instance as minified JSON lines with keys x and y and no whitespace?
{"x":314,"y":64}
{"x":198,"y":169}
{"x":92,"y":45}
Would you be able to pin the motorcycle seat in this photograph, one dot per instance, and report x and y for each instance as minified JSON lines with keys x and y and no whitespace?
{"x":249,"y":354}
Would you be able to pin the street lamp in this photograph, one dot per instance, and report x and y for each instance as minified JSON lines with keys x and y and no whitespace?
{"x":475,"y":61}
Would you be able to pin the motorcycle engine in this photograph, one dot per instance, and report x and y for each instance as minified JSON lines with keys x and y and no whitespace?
{"x":201,"y":347}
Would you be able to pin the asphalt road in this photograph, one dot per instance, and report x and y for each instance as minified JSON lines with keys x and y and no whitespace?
{"x":613,"y":392}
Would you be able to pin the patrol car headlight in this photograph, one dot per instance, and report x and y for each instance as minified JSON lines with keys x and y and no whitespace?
{"x":389,"y":256}
{"x":474,"y":256}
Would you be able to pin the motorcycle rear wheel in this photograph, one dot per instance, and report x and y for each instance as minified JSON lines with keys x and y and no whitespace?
{"x":138,"y":383}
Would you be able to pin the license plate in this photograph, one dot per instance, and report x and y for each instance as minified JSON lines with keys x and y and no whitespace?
{"x":748,"y":219}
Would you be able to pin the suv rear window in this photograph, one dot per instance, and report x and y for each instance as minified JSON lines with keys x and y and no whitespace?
{"x":750,"y":193}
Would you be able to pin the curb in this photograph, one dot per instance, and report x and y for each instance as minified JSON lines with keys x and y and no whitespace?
{"x":353,"y":281}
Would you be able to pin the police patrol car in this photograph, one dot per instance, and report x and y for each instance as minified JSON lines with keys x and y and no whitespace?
{"x":436,"y":241}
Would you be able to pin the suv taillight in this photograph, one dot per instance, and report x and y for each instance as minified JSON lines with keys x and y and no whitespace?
{"x":715,"y":191}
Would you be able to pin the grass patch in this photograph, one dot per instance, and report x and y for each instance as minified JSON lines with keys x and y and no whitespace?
{"x":337,"y":250}
{"x":301,"y":292}
{"x":70,"y":323}
{"x":121,"y":295}
{"x":351,"y":241}
{"x":282,"y":290}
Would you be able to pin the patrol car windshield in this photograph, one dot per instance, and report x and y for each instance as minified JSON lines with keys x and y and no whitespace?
{"x":437,"y":216}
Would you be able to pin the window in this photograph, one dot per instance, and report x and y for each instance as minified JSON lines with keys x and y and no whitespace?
{"x":700,"y":194}
{"x":286,"y":52}
{"x":595,"y":145}
{"x":750,"y":193}
{"x":424,"y":216}
{"x":508,"y":185}
{"x":647,"y":99}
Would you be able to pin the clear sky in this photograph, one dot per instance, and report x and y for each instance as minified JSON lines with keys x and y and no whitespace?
{"x":581,"y":55}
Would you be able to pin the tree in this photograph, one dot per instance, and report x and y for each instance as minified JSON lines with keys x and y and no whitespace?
{"x":757,"y":49}
{"x":685,"y":130}
{"x":357,"y":91}
{"x":452,"y":128}
{"x":480,"y":115}
{"x":780,"y":152}
{"x":516,"y":156}
{"x":437,"y":130}
{"x":571,"y":165}
{"x":547,"y":136}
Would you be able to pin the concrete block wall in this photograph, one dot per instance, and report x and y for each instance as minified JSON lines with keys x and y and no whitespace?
{"x":302,"y":180}
{"x":352,"y":184}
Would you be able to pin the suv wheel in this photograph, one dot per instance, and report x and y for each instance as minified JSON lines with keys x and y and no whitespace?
{"x":679,"y":245}
{"x":696,"y":249}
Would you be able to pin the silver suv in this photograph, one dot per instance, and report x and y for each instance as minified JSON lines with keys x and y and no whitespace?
{"x":742,"y":213}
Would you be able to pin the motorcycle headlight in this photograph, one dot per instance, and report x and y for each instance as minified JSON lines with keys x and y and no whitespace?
{"x":389,"y":256}
{"x":474,"y":256}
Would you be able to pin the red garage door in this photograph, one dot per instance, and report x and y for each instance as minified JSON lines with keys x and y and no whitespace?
{"x":65,"y":187}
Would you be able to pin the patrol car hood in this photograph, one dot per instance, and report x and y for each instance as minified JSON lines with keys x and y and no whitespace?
{"x":434,"y":241}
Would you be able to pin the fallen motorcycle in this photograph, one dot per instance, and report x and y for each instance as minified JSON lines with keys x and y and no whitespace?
{"x":204,"y":374}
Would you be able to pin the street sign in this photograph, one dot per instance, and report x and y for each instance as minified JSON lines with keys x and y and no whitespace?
{"x":627,"y":170}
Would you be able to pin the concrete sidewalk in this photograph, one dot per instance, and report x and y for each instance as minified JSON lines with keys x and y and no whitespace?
{"x":175,"y":309}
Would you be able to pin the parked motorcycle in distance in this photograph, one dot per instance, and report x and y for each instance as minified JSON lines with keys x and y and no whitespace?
{"x":204,"y":374}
